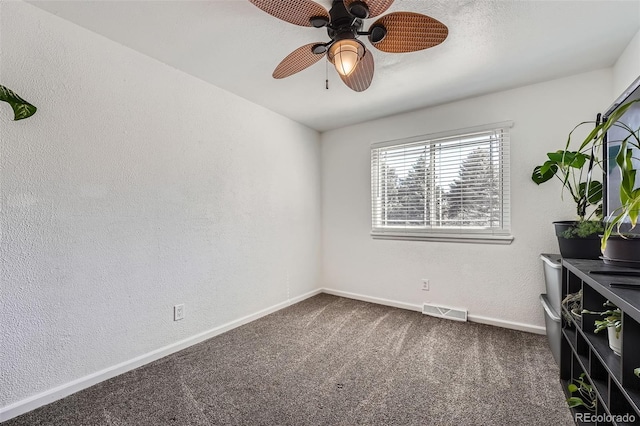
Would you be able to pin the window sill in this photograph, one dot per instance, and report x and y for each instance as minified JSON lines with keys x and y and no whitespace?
{"x":448,"y":238}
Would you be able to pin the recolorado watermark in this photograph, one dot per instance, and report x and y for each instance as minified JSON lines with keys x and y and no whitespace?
{"x":604,"y":418}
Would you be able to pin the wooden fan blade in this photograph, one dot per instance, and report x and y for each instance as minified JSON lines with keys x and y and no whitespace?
{"x":360,"y":79}
{"x":376,"y":7}
{"x":301,"y":58}
{"x":297,"y":12}
{"x":408,"y":32}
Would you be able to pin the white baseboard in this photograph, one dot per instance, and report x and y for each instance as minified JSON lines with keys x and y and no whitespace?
{"x":409,"y":306}
{"x":59,"y":392}
{"x":377,"y":300}
{"x":529,"y":328}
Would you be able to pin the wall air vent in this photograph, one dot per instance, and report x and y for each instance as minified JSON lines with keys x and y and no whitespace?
{"x":445,"y":312}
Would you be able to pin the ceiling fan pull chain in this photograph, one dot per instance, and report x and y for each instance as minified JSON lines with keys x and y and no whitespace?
{"x":326,"y":74}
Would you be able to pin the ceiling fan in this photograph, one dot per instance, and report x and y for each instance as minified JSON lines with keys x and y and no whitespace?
{"x":396,"y":32}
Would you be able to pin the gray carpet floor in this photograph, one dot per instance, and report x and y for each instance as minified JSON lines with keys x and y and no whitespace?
{"x":333,"y":361}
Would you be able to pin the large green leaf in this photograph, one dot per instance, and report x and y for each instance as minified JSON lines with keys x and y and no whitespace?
{"x":624,"y":159}
{"x":568,"y":158}
{"x":594,"y":195}
{"x":633,"y":207}
{"x":543,"y":173}
{"x":611,"y":225}
{"x":548,"y":165}
{"x":21,"y":108}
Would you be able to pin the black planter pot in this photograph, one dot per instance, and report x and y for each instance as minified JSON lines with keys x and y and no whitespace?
{"x":577,"y":247}
{"x":623,"y":251}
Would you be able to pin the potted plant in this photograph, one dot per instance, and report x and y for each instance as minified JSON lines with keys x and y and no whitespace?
{"x":576,"y":238}
{"x":612,"y":323}
{"x":617,"y":245}
{"x":573,"y":304}
{"x":587,"y":395}
{"x":21,"y":108}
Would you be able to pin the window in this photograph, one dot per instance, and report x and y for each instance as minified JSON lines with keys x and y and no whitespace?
{"x":448,"y":186}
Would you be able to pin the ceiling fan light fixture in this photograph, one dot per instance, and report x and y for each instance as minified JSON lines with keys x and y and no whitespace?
{"x":345,"y":55}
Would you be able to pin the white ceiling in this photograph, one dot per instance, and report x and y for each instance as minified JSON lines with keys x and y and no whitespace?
{"x":492,"y":45}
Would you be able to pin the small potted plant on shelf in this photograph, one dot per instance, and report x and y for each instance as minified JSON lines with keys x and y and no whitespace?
{"x":576,"y":238}
{"x":573,"y":304}
{"x":612,"y":323}
{"x":587,"y":395}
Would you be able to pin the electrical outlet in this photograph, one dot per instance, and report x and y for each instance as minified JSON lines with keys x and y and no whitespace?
{"x":178,"y":312}
{"x":425,"y":284}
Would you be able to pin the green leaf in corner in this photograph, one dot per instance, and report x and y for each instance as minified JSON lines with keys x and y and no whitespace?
{"x":572,"y":388}
{"x":637,"y":372}
{"x":21,"y":108}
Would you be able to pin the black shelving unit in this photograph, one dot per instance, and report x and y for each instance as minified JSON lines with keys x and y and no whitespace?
{"x":583,"y":351}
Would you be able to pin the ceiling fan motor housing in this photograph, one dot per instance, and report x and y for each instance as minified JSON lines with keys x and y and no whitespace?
{"x":343,"y":24}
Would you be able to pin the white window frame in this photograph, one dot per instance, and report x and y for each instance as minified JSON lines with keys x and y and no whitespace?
{"x":494,"y":235}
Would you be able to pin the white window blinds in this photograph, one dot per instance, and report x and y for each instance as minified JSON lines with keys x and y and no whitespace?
{"x":444,"y":186}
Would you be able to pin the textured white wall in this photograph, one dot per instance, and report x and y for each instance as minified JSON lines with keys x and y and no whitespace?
{"x":136,"y":187}
{"x":627,"y":68}
{"x":495,"y":281}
